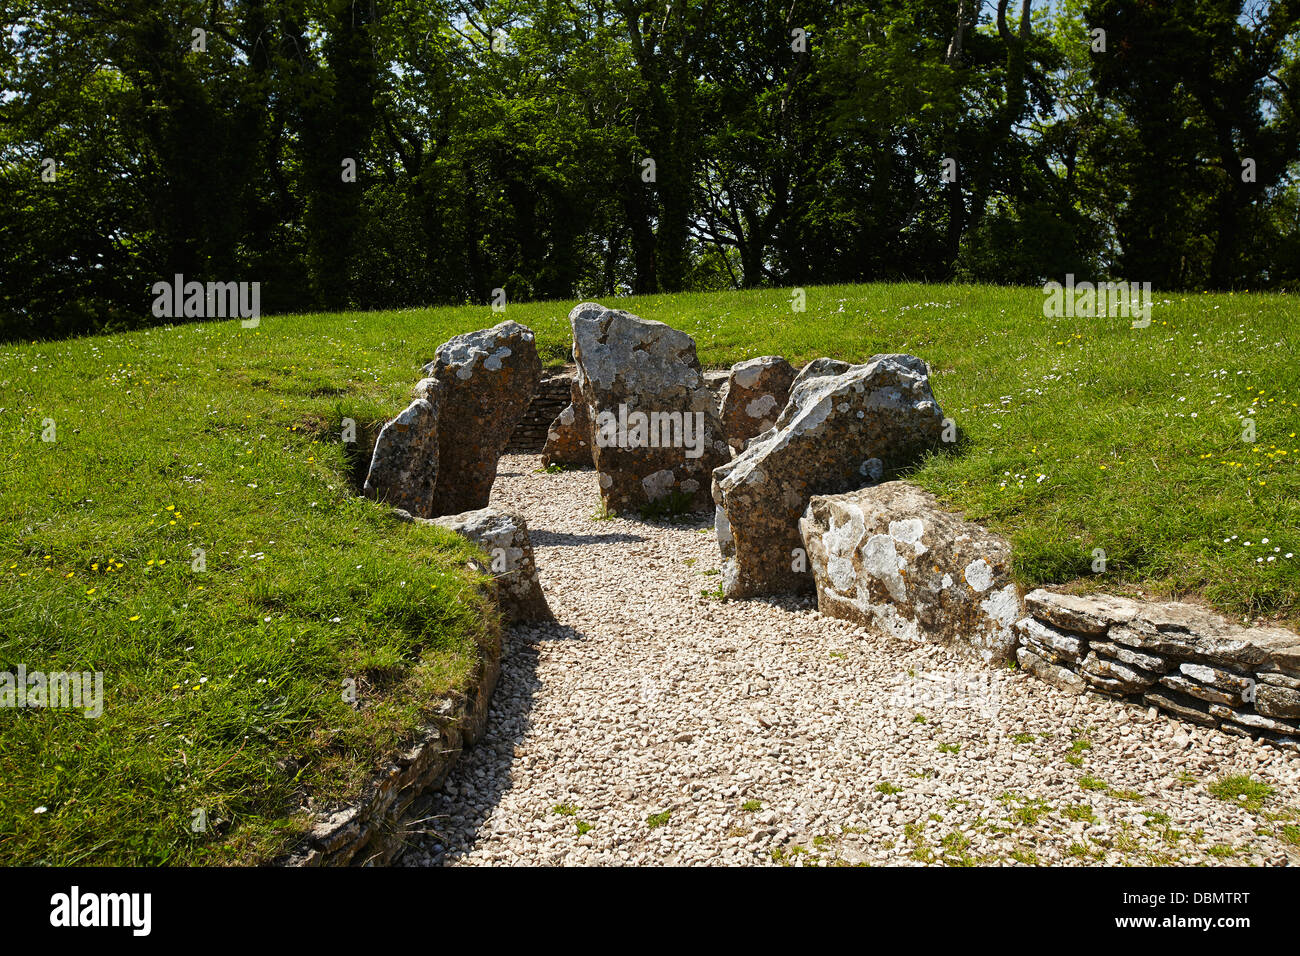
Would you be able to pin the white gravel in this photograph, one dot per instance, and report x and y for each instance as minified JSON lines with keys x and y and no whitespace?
{"x":765,"y":733}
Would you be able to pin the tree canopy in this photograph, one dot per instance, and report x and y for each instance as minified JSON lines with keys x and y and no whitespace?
{"x":391,"y":153}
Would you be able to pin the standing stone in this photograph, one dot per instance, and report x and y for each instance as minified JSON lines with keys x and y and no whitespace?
{"x":504,"y":537}
{"x":891,"y":558}
{"x":484,"y":381}
{"x":753,"y":397}
{"x":404,"y":465}
{"x":569,"y":440}
{"x":655,"y":422}
{"x":843,"y":427}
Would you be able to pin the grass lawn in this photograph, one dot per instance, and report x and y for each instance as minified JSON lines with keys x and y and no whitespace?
{"x":223,"y":687}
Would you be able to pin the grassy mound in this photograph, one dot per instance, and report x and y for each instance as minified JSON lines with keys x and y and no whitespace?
{"x":225,"y":706}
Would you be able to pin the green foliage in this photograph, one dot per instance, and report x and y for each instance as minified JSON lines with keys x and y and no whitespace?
{"x":792,"y":145}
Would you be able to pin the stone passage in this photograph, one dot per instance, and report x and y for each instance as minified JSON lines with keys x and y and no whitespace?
{"x":844,"y":426}
{"x":1180,"y":658}
{"x":651,"y":723}
{"x":553,"y":394}
{"x":891,"y":558}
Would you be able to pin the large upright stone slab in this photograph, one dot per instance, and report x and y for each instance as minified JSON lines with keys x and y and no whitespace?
{"x":404,"y":465}
{"x":504,"y":536}
{"x":655,"y":421}
{"x":891,"y":558}
{"x":484,"y":381}
{"x":569,"y":440}
{"x":756,"y":392}
{"x":844,"y":426}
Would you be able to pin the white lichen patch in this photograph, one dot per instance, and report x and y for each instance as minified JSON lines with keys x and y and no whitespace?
{"x":880,"y":560}
{"x":979,"y":575}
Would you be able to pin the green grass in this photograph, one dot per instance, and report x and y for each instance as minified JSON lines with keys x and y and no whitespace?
{"x":237,"y":430}
{"x":1241,"y":790}
{"x":224,"y":689}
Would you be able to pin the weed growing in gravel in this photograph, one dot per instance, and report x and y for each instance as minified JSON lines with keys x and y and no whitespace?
{"x":886,"y":787}
{"x":553,"y":469}
{"x":656,"y":820}
{"x":564,"y":809}
{"x":1080,"y":811}
{"x":1241,"y":790}
{"x":582,"y":826}
{"x":1089,"y":782}
{"x":1222,"y":851}
{"x":1291,"y":834}
{"x":955,"y":849}
{"x":717,"y":593}
{"x":1023,"y":738}
{"x":918,"y":718}
{"x":1025,"y":855}
{"x":1028,"y":814}
{"x":949,"y":748}
{"x":603,"y":513}
{"x":1132,"y":795}
{"x":752,"y":806}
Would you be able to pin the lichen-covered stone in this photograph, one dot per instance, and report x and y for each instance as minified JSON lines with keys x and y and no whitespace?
{"x":1115,"y":676}
{"x":504,"y":536}
{"x":1090,"y":614}
{"x":843,"y":427}
{"x":569,"y":440}
{"x":892,"y":558}
{"x":404,"y":465}
{"x":1274,"y":701}
{"x":1054,"y":674}
{"x":484,"y":381}
{"x":1050,"y":643}
{"x":654,"y":420}
{"x":753,"y":396}
{"x":1182,"y":707}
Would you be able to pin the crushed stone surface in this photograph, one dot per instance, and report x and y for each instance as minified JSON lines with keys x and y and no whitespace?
{"x":654,"y":723}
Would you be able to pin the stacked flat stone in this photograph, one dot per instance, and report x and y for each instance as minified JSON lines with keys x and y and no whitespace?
{"x":1180,"y":658}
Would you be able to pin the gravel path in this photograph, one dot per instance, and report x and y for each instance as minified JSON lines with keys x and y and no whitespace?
{"x":655,"y":724}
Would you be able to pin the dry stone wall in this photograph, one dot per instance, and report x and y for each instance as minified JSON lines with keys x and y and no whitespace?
{"x":529,"y":436}
{"x":1180,"y":658}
